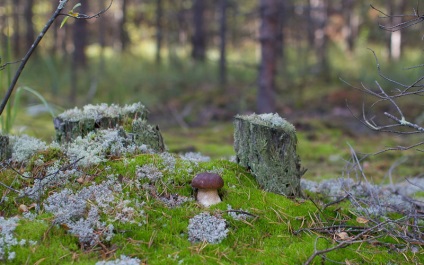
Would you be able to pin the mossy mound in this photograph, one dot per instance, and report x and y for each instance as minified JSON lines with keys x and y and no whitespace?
{"x":149,"y":224}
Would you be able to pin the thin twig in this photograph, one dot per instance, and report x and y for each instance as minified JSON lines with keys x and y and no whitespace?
{"x":29,"y":53}
{"x":343,"y":243}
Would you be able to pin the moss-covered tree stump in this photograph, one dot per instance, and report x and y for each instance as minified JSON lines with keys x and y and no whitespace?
{"x":80,"y":122}
{"x":144,"y":133}
{"x":5,"y":152}
{"x":266,"y":144}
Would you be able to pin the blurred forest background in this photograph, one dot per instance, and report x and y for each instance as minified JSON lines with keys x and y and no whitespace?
{"x":196,"y":61}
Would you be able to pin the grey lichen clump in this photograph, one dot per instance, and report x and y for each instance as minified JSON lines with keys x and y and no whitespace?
{"x":123,"y":260}
{"x":205,"y":227}
{"x":103,"y":111}
{"x":367,"y":199}
{"x":266,"y":144}
{"x":79,"y":122}
{"x":76,"y":122}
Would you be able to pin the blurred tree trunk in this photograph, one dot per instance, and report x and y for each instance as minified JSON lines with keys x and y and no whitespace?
{"x":223,"y":42}
{"x":123,"y":34}
{"x":159,"y":30}
{"x":4,"y":40}
{"x":282,"y":18}
{"x":318,"y":20}
{"x":199,"y":35}
{"x":16,"y":28}
{"x":268,"y":33}
{"x":351,"y":27}
{"x":30,"y":32}
{"x":80,"y":38}
{"x":79,"y":59}
{"x":102,"y":43}
{"x":396,"y":8}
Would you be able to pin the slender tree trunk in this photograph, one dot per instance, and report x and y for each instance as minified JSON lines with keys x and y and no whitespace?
{"x":159,"y":29}
{"x":4,"y":39}
{"x":319,"y":19}
{"x":351,"y":26}
{"x":30,"y":32}
{"x":268,"y":39}
{"x":282,"y":17}
{"x":123,"y":34}
{"x":395,"y":42}
{"x":223,"y":42}
{"x":80,"y":38}
{"x":79,"y":59}
{"x":102,"y":42}
{"x":199,"y":35}
{"x":16,"y":28}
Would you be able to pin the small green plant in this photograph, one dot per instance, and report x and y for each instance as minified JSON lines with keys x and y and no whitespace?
{"x":71,"y":13}
{"x":7,"y":121}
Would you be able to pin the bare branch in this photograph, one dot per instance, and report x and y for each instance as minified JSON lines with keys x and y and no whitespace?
{"x":342,"y":244}
{"x":84,"y":16}
{"x":413,"y":19}
{"x":8,"y":63}
{"x":23,"y":62}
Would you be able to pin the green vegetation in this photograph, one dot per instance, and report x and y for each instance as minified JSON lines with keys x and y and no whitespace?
{"x":264,"y":238}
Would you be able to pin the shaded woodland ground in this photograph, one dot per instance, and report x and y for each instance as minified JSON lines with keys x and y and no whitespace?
{"x":196,"y":64}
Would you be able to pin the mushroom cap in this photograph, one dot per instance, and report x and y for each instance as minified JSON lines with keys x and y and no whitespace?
{"x":207,"y":181}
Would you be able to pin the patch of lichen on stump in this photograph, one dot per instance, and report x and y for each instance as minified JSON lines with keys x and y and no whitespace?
{"x":268,"y":149}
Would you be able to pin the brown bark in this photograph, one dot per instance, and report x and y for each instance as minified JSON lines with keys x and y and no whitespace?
{"x":396,"y":8}
{"x":268,"y":39}
{"x":79,"y":59}
{"x":159,"y":29}
{"x":123,"y":34}
{"x":223,"y":42}
{"x":80,"y":38}
{"x":199,"y":35}
{"x":30,"y":32}
{"x":351,"y":27}
{"x":16,"y":28}
{"x":318,"y":19}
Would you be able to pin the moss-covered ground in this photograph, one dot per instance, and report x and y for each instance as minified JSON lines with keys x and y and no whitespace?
{"x":266,"y":238}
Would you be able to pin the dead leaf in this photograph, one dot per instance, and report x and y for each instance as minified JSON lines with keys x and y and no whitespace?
{"x":23,"y":208}
{"x":362,"y":220}
{"x":343,"y":236}
{"x":39,"y":261}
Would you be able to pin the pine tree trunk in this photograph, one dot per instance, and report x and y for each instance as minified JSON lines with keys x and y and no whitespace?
{"x":223,"y":42}
{"x":268,"y":33}
{"x":28,"y":14}
{"x":159,"y":29}
{"x":199,"y":36}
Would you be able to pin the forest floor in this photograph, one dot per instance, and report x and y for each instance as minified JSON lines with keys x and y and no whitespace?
{"x":140,"y":207}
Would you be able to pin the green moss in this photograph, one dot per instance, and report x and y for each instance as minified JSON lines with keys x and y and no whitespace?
{"x":162,"y":236}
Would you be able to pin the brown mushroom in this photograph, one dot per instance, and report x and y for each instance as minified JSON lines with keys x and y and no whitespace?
{"x":207,"y":185}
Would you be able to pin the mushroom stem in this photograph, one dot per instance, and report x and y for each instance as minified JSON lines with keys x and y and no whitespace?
{"x":208,"y":197}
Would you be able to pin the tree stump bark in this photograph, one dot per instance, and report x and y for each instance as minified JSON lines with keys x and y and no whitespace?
{"x":5,"y":152}
{"x":266,"y":144}
{"x":80,"y":122}
{"x":147,"y":134}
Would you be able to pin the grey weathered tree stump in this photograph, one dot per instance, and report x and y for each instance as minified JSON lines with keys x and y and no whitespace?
{"x":80,"y":122}
{"x":144,"y":133}
{"x":266,"y":144}
{"x":5,"y":152}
